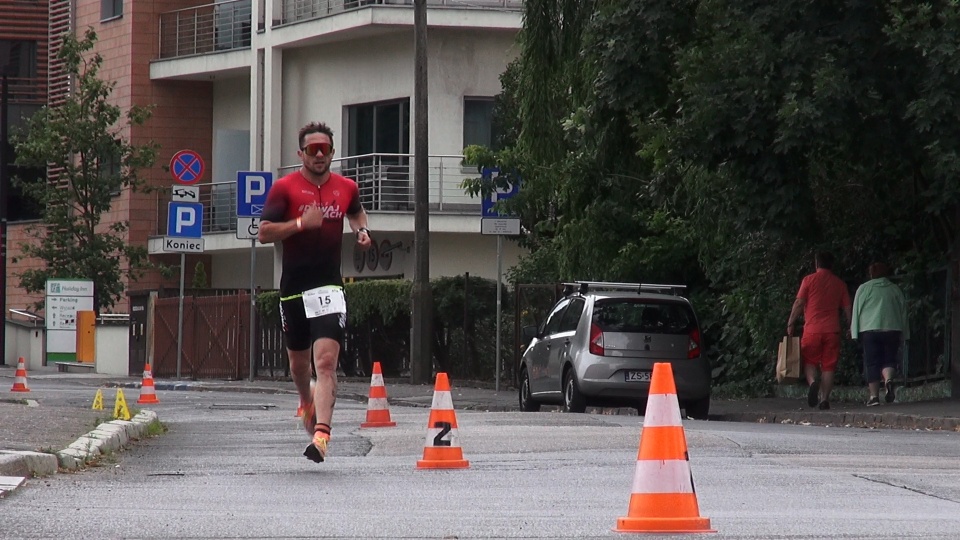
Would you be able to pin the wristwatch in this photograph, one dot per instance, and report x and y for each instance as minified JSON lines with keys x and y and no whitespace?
{"x":364,"y":230}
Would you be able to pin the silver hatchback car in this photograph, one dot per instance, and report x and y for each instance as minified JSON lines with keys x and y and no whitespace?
{"x":600,"y":341}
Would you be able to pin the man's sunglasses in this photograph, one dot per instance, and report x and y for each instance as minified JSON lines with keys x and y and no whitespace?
{"x":322,"y":147}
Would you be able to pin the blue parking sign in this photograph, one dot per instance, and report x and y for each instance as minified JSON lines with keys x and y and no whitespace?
{"x":488,"y":203}
{"x":252,"y":188}
{"x":185,"y":219}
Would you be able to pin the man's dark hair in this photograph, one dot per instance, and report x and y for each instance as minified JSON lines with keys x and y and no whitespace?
{"x":315,"y":127}
{"x":879,"y":270}
{"x":824,"y":259}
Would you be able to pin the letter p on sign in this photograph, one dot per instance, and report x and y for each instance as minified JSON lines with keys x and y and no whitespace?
{"x":252,"y":189}
{"x":186,"y":218}
{"x":256,"y":188}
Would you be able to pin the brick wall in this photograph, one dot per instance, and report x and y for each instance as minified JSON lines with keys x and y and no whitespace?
{"x":17,"y":297}
{"x":182,"y":114}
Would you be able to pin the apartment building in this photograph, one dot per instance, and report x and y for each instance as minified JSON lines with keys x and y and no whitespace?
{"x":235,"y":80}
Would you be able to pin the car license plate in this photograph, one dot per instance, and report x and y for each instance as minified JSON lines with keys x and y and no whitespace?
{"x":638,"y":376}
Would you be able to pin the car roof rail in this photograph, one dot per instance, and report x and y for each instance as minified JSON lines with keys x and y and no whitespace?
{"x":583,"y":286}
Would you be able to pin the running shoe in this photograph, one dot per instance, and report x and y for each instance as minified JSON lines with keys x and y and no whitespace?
{"x":873,"y":401}
{"x":890,"y":395}
{"x":317,"y":450}
{"x":824,"y":405}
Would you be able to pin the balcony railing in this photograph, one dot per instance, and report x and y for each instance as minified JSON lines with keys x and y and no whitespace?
{"x":205,"y":29}
{"x":225,"y":26}
{"x":385,"y":182}
{"x":302,"y":10}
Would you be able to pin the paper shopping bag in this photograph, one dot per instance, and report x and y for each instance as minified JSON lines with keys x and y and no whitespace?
{"x":788,"y":360}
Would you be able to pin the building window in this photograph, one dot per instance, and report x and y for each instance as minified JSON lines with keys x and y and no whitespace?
{"x":111,"y":9}
{"x":379,"y":128}
{"x":109,"y":167}
{"x":378,"y":143}
{"x":18,"y":59}
{"x":478,"y":122}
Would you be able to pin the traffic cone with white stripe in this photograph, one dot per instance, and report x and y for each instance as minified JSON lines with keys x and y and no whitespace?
{"x":664,"y":499}
{"x":442,"y":449}
{"x":20,"y":377}
{"x":378,"y":409}
{"x":148,"y":392}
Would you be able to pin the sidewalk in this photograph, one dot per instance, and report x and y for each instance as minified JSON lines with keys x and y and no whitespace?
{"x":51,"y":428}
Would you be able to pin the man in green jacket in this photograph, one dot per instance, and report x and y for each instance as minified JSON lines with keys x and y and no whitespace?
{"x":880,"y":322}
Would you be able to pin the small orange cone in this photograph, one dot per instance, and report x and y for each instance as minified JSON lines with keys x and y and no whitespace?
{"x":664,"y":499}
{"x":20,"y":377}
{"x":442,"y":449}
{"x":378,"y":409}
{"x":148,"y":392}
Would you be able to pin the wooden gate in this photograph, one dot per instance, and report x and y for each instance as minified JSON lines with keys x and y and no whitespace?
{"x":216,"y":339}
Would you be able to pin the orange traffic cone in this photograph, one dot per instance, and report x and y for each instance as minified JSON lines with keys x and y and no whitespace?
{"x":20,"y":377}
{"x":442,"y":449}
{"x":148,"y":393}
{"x":664,"y":499}
{"x":378,"y":409}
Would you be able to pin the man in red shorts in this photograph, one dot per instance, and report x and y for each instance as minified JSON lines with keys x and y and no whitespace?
{"x":821,"y":297}
{"x":305,"y":211}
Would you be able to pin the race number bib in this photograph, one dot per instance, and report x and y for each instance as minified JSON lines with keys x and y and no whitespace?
{"x":324,"y":301}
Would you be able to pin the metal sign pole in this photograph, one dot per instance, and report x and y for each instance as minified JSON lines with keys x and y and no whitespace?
{"x":499,"y":313}
{"x":183,"y":263}
{"x":253,"y":301}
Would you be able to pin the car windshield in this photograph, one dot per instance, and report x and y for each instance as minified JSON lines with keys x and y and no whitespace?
{"x":642,"y":316}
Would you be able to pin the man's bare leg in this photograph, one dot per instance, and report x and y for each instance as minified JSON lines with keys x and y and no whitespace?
{"x":326,"y":353}
{"x":811,"y":371}
{"x":826,"y":385}
{"x":301,"y":373}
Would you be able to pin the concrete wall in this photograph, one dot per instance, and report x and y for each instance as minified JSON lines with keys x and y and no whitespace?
{"x":321,"y":81}
{"x":112,"y":356}
{"x":450,"y":255}
{"x":27,"y":341}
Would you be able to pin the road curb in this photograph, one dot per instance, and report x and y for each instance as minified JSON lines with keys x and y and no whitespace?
{"x":17,"y":467}
{"x":848,"y":419}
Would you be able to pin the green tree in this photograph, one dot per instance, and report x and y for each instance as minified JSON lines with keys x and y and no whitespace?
{"x":199,"y":280}
{"x":82,"y":141}
{"x":720,"y":144}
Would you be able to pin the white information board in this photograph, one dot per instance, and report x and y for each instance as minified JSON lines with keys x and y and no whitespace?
{"x":64,"y":298}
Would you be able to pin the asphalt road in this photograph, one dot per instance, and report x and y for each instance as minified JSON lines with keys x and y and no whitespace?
{"x":230,"y":466}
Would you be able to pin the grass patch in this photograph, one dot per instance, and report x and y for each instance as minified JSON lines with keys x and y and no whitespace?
{"x":155,"y":428}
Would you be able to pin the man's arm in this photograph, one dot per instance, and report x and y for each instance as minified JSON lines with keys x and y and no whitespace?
{"x":271,"y":231}
{"x":795,"y":312}
{"x":847,"y":313}
{"x":358,"y":224}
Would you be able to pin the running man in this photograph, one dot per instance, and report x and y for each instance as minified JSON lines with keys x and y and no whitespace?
{"x":305,"y":211}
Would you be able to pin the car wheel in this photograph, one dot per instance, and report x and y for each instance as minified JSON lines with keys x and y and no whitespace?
{"x":698,"y":409}
{"x":527,"y":403}
{"x":572,"y":398}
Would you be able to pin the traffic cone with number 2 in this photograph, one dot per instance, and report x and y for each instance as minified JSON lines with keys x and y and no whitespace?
{"x":442,"y":449}
{"x":663,"y":499}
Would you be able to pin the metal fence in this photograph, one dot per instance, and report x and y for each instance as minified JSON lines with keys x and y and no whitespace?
{"x":292,"y":11}
{"x":225,"y":26}
{"x":222,"y":26}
